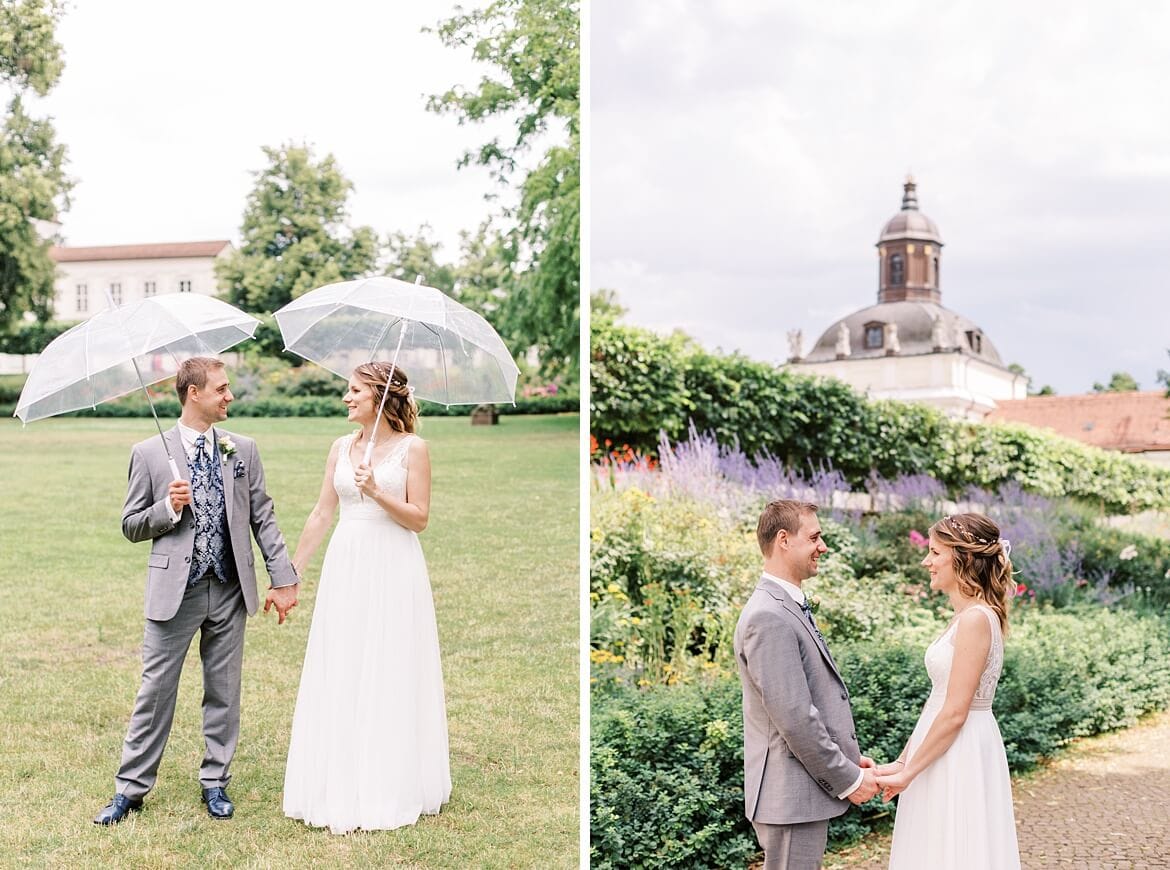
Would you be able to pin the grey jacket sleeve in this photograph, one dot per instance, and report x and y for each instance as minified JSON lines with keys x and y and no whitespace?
{"x":144,"y":517}
{"x":775,"y":664}
{"x":264,"y":528}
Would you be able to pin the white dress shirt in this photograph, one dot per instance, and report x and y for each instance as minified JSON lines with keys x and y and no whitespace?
{"x":797,"y":595}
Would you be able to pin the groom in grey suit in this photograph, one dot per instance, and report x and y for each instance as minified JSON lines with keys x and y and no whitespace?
{"x":801,"y":762}
{"x":201,"y":578}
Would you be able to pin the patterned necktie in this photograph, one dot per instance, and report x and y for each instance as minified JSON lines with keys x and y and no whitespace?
{"x":807,"y":608}
{"x":210,"y":517}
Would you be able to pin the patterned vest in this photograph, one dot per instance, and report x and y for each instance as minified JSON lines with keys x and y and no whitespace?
{"x":212,"y":551}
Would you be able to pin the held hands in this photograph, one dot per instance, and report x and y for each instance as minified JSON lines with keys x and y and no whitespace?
{"x":869,"y":784}
{"x":894,"y":782}
{"x":179,"y":493}
{"x":284,"y":598}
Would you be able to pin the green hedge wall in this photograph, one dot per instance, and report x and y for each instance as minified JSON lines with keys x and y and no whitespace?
{"x":666,"y":761}
{"x":643,"y":385}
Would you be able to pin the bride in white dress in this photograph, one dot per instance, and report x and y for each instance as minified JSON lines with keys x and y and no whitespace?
{"x":955,"y":810}
{"x":368,"y":747}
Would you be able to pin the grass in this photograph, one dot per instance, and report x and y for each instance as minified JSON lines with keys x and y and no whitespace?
{"x":502,"y":552}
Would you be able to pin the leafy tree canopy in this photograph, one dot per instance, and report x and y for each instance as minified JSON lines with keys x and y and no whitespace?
{"x":533,"y":49}
{"x":1121,"y":382}
{"x":33,"y":184}
{"x":295,"y":236}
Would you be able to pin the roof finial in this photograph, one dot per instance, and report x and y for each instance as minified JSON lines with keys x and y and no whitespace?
{"x":909,"y":195}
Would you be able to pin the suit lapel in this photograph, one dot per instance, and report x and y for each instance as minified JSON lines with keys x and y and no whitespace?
{"x":784,"y":600}
{"x":229,"y":481}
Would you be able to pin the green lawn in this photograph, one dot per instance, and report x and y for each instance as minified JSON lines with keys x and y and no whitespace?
{"x":503,"y":553}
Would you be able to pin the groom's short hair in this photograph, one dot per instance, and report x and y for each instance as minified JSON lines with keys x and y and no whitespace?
{"x":193,"y":373}
{"x":784,"y":513}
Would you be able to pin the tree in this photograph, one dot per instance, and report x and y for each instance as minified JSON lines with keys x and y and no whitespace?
{"x":476,"y":280}
{"x":294,"y":233}
{"x":1121,"y":382}
{"x":534,"y":46}
{"x":604,"y":305}
{"x":33,"y":185}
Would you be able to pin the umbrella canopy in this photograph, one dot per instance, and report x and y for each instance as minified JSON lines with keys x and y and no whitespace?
{"x":451,"y":354}
{"x":124,"y":348}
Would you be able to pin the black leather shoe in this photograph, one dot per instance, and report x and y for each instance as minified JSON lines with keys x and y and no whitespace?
{"x":116,"y":810}
{"x":219,"y":805}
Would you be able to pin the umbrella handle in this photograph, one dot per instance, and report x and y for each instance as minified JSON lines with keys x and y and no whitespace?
{"x":386,"y":392}
{"x":174,"y":468}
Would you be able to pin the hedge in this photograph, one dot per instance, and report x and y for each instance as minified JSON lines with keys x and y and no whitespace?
{"x":667,"y":761}
{"x":645,"y":386}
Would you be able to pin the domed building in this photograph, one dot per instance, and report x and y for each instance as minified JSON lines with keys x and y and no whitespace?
{"x":908,"y":346}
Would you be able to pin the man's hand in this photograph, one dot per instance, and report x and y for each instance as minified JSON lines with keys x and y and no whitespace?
{"x":284,"y":598}
{"x":867,"y":789}
{"x":866,"y":761}
{"x":179,"y":493}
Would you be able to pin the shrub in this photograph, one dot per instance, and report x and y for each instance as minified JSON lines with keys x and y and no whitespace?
{"x":666,"y":761}
{"x":666,"y":778}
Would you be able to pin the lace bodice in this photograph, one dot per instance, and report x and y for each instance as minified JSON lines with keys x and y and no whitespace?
{"x":390,"y":475}
{"x":940,"y":654}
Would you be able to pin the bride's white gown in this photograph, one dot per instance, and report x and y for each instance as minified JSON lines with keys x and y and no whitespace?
{"x":957,"y":814}
{"x":368,"y":747}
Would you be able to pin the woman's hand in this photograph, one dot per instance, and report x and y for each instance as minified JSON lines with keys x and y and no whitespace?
{"x":889,"y":769}
{"x":363,"y":478}
{"x":892,"y":785}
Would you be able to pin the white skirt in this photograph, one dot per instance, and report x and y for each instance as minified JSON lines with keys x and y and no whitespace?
{"x":368,"y":747}
{"x":957,"y":814}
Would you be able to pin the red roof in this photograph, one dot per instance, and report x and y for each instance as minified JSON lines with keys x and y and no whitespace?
{"x":160,"y":251}
{"x":1135,"y":422}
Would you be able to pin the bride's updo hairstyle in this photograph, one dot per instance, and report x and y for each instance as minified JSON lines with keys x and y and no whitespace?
{"x":400,"y":411}
{"x":981,"y":561}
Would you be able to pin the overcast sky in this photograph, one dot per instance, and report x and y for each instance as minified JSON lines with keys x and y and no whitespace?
{"x":164,"y":108}
{"x":745,"y":155}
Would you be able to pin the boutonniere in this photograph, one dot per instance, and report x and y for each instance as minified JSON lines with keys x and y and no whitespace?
{"x":227,"y":447}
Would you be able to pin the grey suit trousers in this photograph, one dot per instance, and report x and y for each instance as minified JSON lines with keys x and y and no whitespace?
{"x":793,"y":847}
{"x":216,"y":610}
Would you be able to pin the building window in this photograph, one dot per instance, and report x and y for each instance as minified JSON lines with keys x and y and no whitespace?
{"x":874,"y":336}
{"x":975,"y":339}
{"x":184,"y":286}
{"x":897,"y":271}
{"x":82,"y":298}
{"x":116,"y":293}
{"x":149,"y":288}
{"x":935,"y":261}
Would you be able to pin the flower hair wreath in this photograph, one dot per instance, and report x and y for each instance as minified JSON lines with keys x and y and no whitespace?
{"x":1004,"y":543}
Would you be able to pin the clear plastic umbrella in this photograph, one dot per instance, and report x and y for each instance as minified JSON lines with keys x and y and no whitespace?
{"x":451,"y":354}
{"x":125,"y":348}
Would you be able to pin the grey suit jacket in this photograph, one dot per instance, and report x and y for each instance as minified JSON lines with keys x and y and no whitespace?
{"x":799,"y":746}
{"x":145,"y":518}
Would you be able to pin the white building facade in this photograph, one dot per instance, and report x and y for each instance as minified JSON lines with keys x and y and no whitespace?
{"x":129,"y":273}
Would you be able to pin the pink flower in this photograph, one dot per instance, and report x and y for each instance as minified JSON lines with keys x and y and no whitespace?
{"x":917,"y":540}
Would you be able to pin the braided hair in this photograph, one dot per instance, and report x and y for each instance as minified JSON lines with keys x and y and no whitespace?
{"x":400,"y":411}
{"x":980,"y":561}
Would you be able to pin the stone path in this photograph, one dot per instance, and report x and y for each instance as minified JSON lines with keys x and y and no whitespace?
{"x":1102,"y":805}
